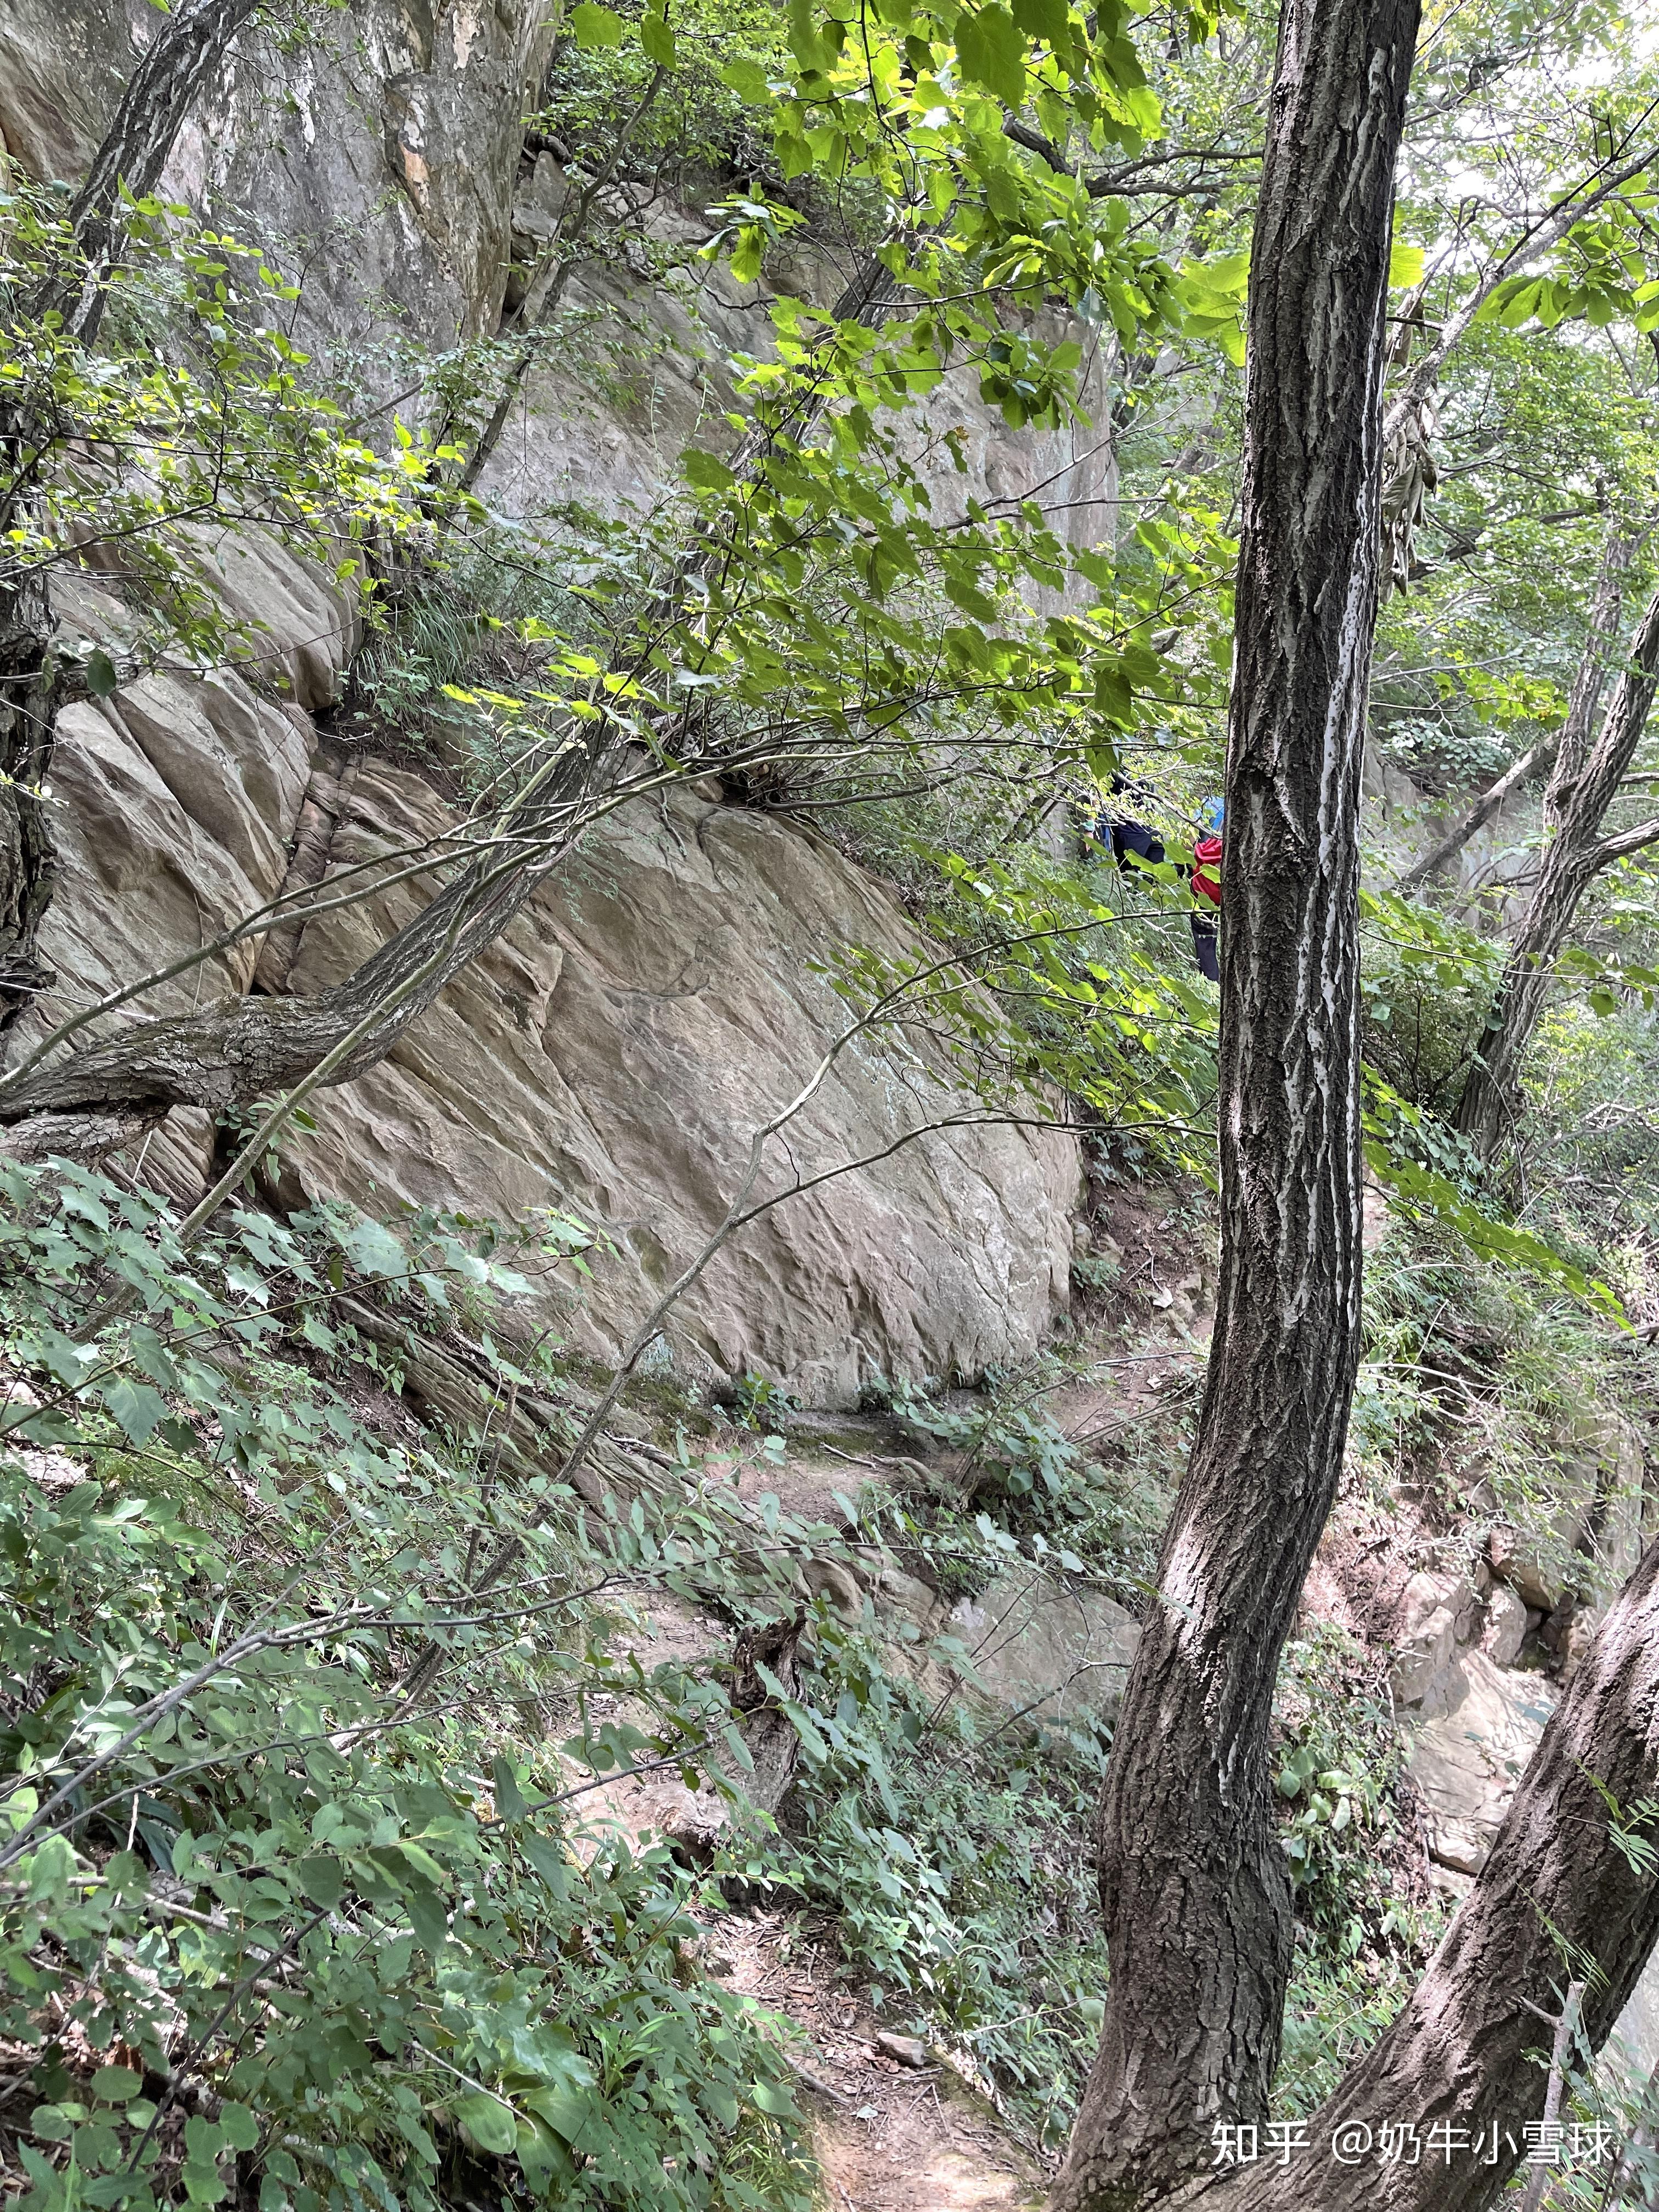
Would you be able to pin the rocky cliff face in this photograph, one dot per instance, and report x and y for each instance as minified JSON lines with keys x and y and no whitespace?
{"x":609,"y":1057}
{"x":612,"y":1054}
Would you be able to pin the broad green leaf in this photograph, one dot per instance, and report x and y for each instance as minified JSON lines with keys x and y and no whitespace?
{"x":488,"y":2122}
{"x":706,"y":471}
{"x":594,"y":27}
{"x":566,"y":2109}
{"x":748,"y":80}
{"x":657,"y":39}
{"x":322,"y":1878}
{"x":991,"y":51}
{"x":1405,"y":265}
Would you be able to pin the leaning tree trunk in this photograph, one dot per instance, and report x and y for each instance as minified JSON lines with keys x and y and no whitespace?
{"x":1571,"y":741}
{"x":188,"y":43}
{"x":1192,"y":1881}
{"x":1565,"y":1896}
{"x":1584,"y":786}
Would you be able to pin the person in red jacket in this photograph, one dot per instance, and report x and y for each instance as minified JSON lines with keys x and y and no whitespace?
{"x":1206,"y":891}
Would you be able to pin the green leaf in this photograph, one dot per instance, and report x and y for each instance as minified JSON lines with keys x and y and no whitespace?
{"x":373,"y":1249}
{"x":322,"y":1878}
{"x":748,"y":80}
{"x":102,"y":681}
{"x":117,"y":2085}
{"x":706,"y":471}
{"x":240,"y":2128}
{"x":1048,"y":19}
{"x":488,"y":2122}
{"x":771,"y":2099}
{"x":658,"y":40}
{"x":565,"y":2107}
{"x":139,"y":1410}
{"x":427,"y":1916}
{"x":50,"y":1871}
{"x":511,"y":1803}
{"x":992,"y":52}
{"x":594,"y":27}
{"x":1405,"y":267}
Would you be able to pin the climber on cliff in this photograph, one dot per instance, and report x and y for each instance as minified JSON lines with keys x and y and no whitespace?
{"x":1206,"y":890}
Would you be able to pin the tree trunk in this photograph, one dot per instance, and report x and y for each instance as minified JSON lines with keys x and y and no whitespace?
{"x":237,"y":1049}
{"x":1559,"y":1900}
{"x":27,"y":859}
{"x":1572,"y":740}
{"x":188,"y":43}
{"x":1194,"y":1885}
{"x":1585,"y":784}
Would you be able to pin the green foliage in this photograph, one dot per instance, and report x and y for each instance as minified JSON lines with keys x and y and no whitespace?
{"x":1498,"y":1397}
{"x":1013,"y":1480}
{"x":345,"y":1918}
{"x":1362,"y":1933}
{"x":143,"y":444}
{"x":949,"y":1858}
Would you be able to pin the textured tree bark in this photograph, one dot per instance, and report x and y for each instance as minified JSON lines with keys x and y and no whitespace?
{"x":1583,"y":787}
{"x":1557,"y":1888}
{"x":1194,"y":1885}
{"x":189,"y":46}
{"x":28,"y":858}
{"x":189,"y":42}
{"x":1572,"y":739}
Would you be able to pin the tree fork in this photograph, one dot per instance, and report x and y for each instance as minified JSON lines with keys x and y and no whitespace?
{"x":1194,"y":1886}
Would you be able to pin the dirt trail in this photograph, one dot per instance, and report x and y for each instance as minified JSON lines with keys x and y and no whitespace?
{"x":890,"y":2137}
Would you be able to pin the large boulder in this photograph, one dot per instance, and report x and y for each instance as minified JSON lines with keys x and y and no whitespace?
{"x":1466,"y":1762}
{"x":1440,"y":1614}
{"x":1047,"y":1650}
{"x":609,"y":1058}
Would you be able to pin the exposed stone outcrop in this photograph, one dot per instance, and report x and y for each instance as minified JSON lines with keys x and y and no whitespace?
{"x":1596,"y":1535}
{"x":1466,"y":1759}
{"x":174,"y":801}
{"x":376,"y":165}
{"x":609,"y":1057}
{"x":1028,"y":1646}
{"x":613,"y":1052}
{"x":606,"y":430}
{"x":63,"y":64}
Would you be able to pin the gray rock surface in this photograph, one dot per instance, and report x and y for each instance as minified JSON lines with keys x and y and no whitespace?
{"x":610,"y":1057}
{"x":1505,"y":1627}
{"x":1440,"y":1615}
{"x":63,"y":64}
{"x":174,"y":804}
{"x":1466,"y":1761}
{"x":1031,"y":1645}
{"x":376,"y":165}
{"x":1052,"y":1652}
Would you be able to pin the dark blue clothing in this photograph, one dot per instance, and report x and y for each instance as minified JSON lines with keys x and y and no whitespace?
{"x":1206,"y":946}
{"x":1134,"y":840}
